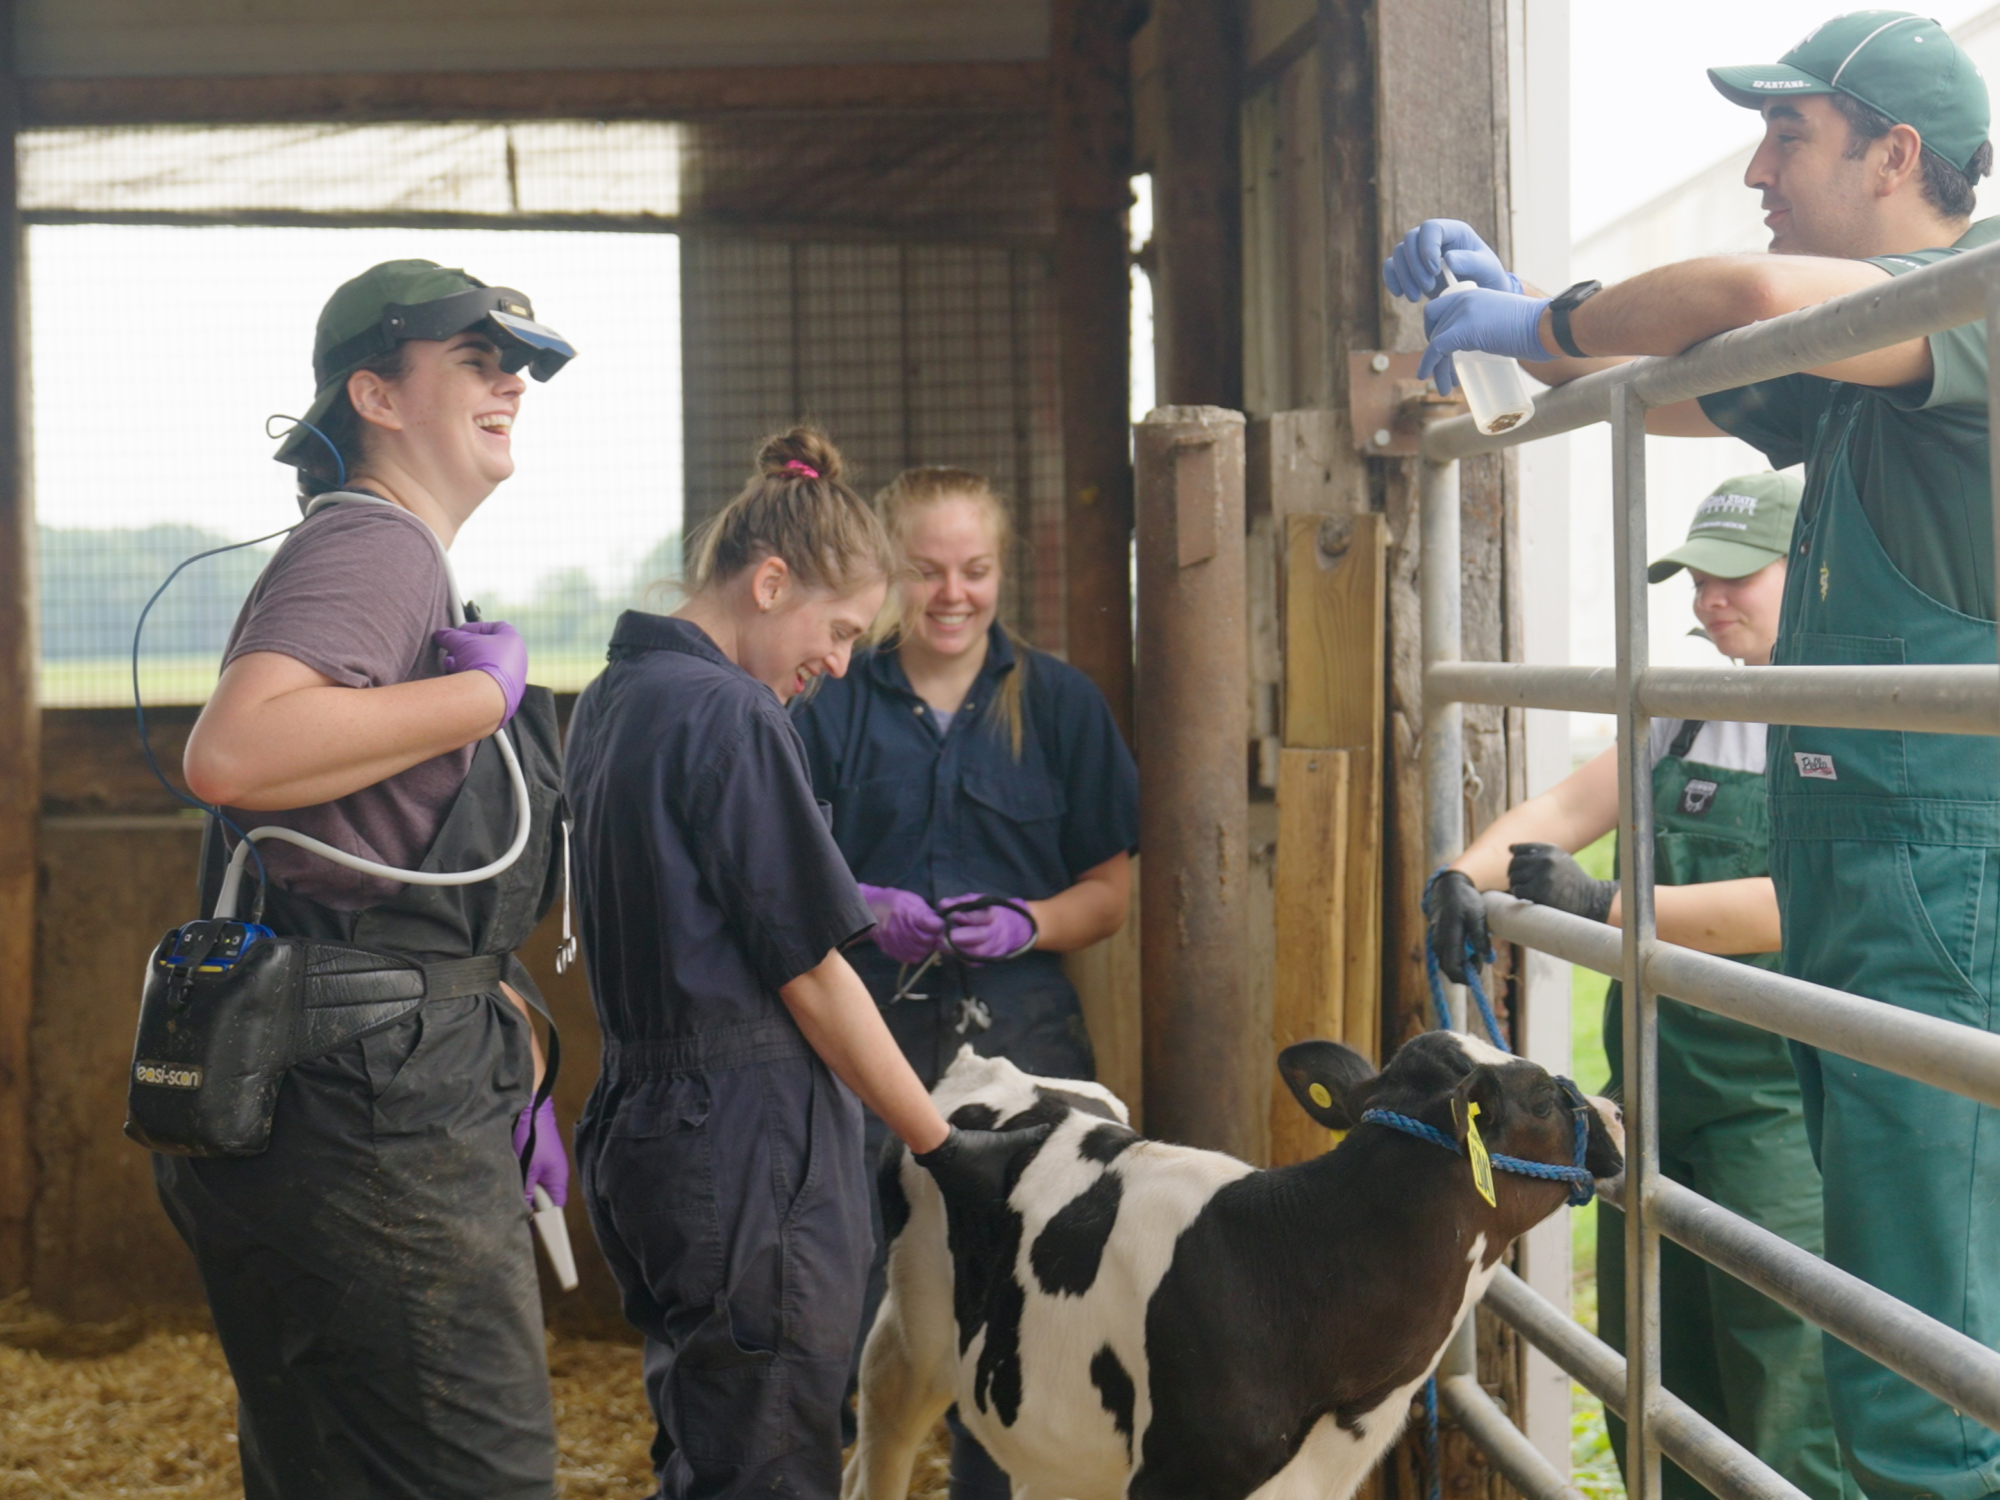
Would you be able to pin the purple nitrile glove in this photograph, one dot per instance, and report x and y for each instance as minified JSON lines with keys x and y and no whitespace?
{"x":905,"y":926}
{"x":490,"y":646}
{"x":1415,"y":271}
{"x":1503,"y":323}
{"x":549,"y":1167}
{"x":990,"y":932}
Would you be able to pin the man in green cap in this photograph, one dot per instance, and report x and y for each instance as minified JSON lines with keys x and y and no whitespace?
{"x":1885,"y":847}
{"x":1732,"y":1125}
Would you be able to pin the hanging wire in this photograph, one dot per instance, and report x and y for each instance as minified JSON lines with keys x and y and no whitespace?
{"x":139,"y":707}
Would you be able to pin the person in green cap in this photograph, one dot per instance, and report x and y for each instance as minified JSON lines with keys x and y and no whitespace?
{"x":1885,"y":846}
{"x":1732,"y":1126}
{"x":370,"y":1271}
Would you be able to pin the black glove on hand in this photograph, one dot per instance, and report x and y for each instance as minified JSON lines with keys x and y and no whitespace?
{"x":1457,"y":922}
{"x":971,"y":1167}
{"x":1547,"y":876}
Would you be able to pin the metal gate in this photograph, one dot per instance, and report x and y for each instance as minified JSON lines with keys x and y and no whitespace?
{"x":1923,"y":699}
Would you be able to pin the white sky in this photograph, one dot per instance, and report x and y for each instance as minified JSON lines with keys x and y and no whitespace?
{"x":1643,"y":114}
{"x":157,"y":353}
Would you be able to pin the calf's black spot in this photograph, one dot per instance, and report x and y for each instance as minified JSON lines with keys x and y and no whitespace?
{"x":975,"y":1117}
{"x":1115,"y":1390}
{"x":1105,"y":1142}
{"x":1068,"y":1251}
{"x":984,"y":1237}
{"x":889,"y":1189}
{"x":1083,"y":1104}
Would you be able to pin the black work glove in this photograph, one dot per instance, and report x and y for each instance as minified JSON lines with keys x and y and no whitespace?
{"x":1547,"y":876}
{"x":1457,"y":922}
{"x":976,"y":1169}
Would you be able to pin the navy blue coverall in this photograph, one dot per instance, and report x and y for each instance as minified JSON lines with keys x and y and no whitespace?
{"x":721,"y":1161}
{"x":953,"y":811}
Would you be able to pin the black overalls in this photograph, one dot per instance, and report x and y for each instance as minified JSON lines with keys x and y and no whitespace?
{"x":952,"y":811}
{"x":720,"y":1160}
{"x":371,"y":1273}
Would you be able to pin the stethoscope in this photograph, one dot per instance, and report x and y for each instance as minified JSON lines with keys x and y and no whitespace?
{"x":973,"y":1013}
{"x":232,"y":881}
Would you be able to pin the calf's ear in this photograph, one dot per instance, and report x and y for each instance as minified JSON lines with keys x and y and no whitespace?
{"x":1321,"y":1076}
{"x":1482,"y":1086}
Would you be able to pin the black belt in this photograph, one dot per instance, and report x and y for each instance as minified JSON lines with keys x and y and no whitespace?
{"x":347,"y":991}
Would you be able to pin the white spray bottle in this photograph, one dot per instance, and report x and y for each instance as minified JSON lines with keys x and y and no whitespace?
{"x":1496,"y":388}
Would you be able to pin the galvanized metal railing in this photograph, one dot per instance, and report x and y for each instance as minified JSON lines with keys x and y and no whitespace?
{"x":1920,"y":699}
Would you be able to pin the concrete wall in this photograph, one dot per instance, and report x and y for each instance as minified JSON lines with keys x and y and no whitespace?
{"x":119,"y":38}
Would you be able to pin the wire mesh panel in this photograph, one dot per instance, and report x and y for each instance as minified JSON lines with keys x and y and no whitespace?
{"x":159,"y":352}
{"x":906,"y":354}
{"x":885,"y":273}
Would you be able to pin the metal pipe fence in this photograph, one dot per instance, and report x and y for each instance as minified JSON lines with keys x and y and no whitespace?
{"x":1915,"y":699}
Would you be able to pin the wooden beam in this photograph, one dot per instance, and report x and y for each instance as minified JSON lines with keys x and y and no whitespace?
{"x":1334,"y":693}
{"x":1308,"y":992}
{"x":590,"y":94}
{"x":1090,"y":41}
{"x":20,"y":733}
{"x":1198,"y":304}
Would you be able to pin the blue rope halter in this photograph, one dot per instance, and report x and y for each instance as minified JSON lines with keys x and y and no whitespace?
{"x":1582,"y":1185}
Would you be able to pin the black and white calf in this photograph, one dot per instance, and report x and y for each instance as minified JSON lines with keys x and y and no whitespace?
{"x":1116,"y":1316}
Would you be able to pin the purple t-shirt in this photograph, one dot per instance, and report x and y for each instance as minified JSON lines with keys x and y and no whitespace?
{"x":356,"y":593}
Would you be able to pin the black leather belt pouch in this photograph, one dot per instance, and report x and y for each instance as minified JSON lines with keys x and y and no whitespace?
{"x":212,"y":1050}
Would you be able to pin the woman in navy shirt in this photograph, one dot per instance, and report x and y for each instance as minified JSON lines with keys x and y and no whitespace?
{"x":961,"y":763}
{"x":720,"y":1152}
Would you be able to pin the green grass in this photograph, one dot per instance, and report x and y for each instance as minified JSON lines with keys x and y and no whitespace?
{"x":1594,"y":1465}
{"x":106,"y":681}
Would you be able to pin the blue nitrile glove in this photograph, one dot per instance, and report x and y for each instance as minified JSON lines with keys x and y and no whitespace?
{"x":1504,"y":323}
{"x":1414,"y":271}
{"x":548,"y":1167}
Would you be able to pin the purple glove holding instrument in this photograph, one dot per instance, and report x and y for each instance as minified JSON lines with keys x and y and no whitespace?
{"x":905,"y":926}
{"x":548,"y":1167}
{"x":490,"y":646}
{"x":991,"y":932}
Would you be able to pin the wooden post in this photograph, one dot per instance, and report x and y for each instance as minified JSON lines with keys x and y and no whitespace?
{"x":1198,"y":303}
{"x":1090,"y":51}
{"x":20,"y":728}
{"x":1207,"y":1058}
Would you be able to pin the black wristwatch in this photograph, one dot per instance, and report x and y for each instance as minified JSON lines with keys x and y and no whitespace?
{"x":1564,"y":303}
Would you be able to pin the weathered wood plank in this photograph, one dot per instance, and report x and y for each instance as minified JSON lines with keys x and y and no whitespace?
{"x":1093,"y":156}
{"x":1309,"y":993}
{"x":1106,"y":976}
{"x":1335,"y":619}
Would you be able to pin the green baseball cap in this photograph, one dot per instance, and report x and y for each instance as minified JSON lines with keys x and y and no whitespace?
{"x":414,"y":299}
{"x":1744,"y":524}
{"x":1898,"y":64}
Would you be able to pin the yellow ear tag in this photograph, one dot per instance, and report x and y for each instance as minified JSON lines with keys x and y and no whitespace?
{"x":1318,"y":1094}
{"x":1482,"y":1164}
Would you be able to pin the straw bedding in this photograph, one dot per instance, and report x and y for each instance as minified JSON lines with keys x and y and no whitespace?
{"x":143,"y":1406}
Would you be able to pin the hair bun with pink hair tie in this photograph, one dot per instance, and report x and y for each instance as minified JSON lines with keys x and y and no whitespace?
{"x":798,"y":467}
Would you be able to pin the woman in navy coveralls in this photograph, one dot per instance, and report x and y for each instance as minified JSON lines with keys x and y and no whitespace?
{"x":959,"y":762}
{"x":720,"y":1153}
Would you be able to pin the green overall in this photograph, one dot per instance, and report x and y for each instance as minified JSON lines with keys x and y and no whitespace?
{"x":1884,"y":855}
{"x":1883,"y":850}
{"x":1732,"y":1129}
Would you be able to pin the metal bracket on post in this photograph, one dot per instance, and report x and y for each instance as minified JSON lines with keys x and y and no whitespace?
{"x":1388,"y":407}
